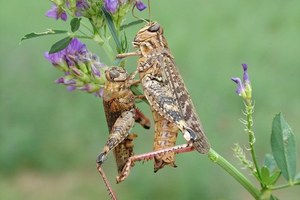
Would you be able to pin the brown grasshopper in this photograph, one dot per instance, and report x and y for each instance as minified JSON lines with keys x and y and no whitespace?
{"x":117,"y":99}
{"x":120,"y":111}
{"x":164,"y":87}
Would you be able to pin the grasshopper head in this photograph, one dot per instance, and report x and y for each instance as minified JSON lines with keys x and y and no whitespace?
{"x":116,"y":74}
{"x":150,"y":31}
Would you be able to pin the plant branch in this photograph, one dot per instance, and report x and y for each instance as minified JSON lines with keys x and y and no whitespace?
{"x":236,"y":174}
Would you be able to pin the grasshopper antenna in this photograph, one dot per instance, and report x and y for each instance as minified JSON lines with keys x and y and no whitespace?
{"x":132,"y":11}
{"x":149,"y":11}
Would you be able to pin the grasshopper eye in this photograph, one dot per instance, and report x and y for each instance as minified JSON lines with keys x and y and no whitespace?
{"x":154,"y":28}
{"x":114,"y":74}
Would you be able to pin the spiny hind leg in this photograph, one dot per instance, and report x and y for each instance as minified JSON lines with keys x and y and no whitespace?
{"x":106,"y":182}
{"x":119,"y":132}
{"x":149,"y":156}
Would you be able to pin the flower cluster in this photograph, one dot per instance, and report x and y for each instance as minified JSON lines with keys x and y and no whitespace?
{"x":113,"y":5}
{"x":243,"y":88}
{"x":83,"y":70}
{"x":58,"y":11}
{"x":81,"y":7}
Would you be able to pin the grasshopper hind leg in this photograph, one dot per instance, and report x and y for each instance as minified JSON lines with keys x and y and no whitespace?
{"x":119,"y":132}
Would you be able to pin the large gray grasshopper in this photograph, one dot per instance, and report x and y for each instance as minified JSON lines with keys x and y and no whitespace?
{"x":163,"y":85}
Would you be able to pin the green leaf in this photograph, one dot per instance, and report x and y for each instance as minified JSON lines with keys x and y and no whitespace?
{"x":48,"y":32}
{"x":60,"y":45}
{"x":269,"y":162}
{"x":274,"y":177}
{"x":265,"y":174}
{"x":75,"y":24}
{"x":283,"y":147}
{"x":112,"y":29}
{"x":124,"y":44}
{"x":267,"y":178}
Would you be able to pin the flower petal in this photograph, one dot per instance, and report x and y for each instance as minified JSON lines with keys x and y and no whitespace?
{"x":245,"y":75}
{"x":55,"y":58}
{"x":240,"y":88}
{"x":111,"y":5}
{"x":70,"y":88}
{"x":140,"y":5}
{"x":81,"y":6}
{"x":56,"y":13}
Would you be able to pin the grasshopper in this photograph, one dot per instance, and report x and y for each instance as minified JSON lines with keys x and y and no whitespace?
{"x":121,"y":113}
{"x":165,"y":90}
{"x":163,"y":85}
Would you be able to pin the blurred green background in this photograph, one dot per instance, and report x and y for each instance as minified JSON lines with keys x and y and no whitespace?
{"x":49,"y":138}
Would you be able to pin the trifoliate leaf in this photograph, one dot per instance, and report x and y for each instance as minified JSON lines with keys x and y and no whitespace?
{"x":284,"y":147}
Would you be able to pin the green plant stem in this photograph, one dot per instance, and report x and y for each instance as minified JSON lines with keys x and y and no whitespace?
{"x":105,"y":45}
{"x":280,"y":186}
{"x":253,"y":154}
{"x":236,"y":174}
{"x":249,"y":112}
{"x":285,"y":185}
{"x":108,"y":50}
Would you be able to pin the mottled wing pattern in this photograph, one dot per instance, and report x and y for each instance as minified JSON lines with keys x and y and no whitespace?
{"x":185,"y":103}
{"x":161,"y":99}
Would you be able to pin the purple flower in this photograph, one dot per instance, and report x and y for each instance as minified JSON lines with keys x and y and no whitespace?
{"x":56,"y":13}
{"x":240,"y":90}
{"x":65,"y":80}
{"x":81,"y":6}
{"x":55,"y":58}
{"x":101,"y":92}
{"x":74,"y":51}
{"x":60,"y":80}
{"x":95,"y":70}
{"x":243,"y":88}
{"x":81,"y":67}
{"x":111,"y":5}
{"x":246,"y":76}
{"x":69,"y":54}
{"x":140,"y":5}
{"x":71,"y":88}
